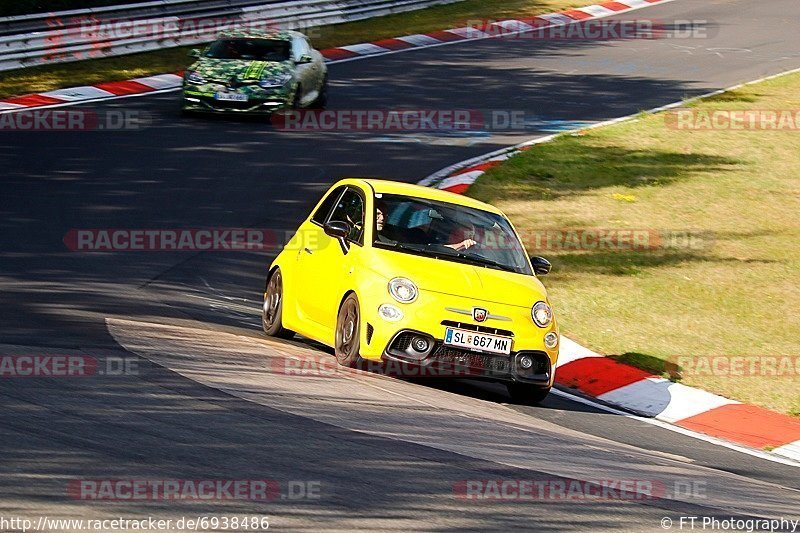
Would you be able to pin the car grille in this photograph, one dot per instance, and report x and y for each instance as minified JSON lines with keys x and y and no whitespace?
{"x":402,"y":342}
{"x":457,"y":356}
{"x":217,"y":104}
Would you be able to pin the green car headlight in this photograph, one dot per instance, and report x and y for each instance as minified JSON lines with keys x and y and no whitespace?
{"x":272,"y":82}
{"x":194,"y":78}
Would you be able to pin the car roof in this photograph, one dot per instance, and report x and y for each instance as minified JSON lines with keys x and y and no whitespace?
{"x":428,"y":193}
{"x":272,"y":34}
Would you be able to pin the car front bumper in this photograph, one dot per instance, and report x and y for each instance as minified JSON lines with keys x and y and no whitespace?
{"x":444,"y":361}
{"x":258,"y":101}
{"x":431,"y":315}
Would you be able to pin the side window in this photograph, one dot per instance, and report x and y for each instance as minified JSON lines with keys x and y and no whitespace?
{"x":299,"y":48}
{"x":350,"y":209}
{"x":327,"y":204}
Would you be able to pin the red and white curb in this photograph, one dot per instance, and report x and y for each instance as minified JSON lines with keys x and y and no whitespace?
{"x":652,"y":396}
{"x":499,"y":29}
{"x":93,"y":93}
{"x":172,"y":82}
{"x":633,"y":389}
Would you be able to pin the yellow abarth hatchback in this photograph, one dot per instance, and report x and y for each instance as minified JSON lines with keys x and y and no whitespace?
{"x":406,"y":275}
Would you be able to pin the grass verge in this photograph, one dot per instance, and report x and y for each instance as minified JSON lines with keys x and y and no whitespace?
{"x":50,"y":77}
{"x":732,"y":291}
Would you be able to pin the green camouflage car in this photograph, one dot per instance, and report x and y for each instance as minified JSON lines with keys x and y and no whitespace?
{"x":255,"y":72}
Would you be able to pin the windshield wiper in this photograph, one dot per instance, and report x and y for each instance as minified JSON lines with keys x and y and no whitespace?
{"x":480,"y":260}
{"x":401,"y":246}
{"x":445,"y":252}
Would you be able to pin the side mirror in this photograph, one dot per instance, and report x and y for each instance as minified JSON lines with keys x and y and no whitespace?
{"x":541,"y":266}
{"x":339,"y":230}
{"x":305,"y":58}
{"x":195,"y":53}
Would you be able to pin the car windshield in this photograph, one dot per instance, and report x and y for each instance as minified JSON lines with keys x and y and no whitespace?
{"x":249,"y":49}
{"x":448,"y":231}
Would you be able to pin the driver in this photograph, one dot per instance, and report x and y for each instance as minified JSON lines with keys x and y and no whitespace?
{"x":464,"y":241}
{"x":465,"y":237}
{"x":380,"y":224}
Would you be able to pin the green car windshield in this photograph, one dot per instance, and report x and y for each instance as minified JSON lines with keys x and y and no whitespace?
{"x":249,"y":49}
{"x":448,"y":231}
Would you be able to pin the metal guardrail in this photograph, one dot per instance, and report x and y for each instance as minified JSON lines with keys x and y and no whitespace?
{"x":119,"y":30}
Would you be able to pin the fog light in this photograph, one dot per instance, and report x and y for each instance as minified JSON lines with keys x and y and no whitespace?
{"x":551,"y":340}
{"x":390,"y":313}
{"x":420,"y":344}
{"x":525,"y":362}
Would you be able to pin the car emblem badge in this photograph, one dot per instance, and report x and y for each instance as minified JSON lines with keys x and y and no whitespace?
{"x":479,"y":314}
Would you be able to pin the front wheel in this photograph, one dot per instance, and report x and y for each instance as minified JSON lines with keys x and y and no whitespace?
{"x":348,"y":332}
{"x":523,"y":393}
{"x":298,"y":96}
{"x":271,"y":317}
{"x":322,"y":99}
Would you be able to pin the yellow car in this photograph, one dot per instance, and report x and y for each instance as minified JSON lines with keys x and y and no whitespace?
{"x":399,"y":274}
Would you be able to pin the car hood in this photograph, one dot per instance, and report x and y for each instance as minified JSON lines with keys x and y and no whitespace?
{"x":459,"y":279}
{"x":224,"y":69}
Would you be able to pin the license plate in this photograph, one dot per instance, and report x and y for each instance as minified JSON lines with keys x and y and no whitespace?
{"x":477,"y":341}
{"x":231,"y":97}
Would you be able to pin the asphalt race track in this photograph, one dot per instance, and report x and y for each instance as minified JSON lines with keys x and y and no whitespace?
{"x":203,"y":402}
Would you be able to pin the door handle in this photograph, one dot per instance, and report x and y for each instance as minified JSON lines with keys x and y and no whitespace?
{"x":306,"y":250}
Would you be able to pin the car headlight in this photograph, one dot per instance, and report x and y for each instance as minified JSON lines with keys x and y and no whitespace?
{"x":551,"y":340}
{"x":275,"y":81}
{"x":390,"y":313}
{"x":403,"y":290}
{"x":542,"y":314}
{"x":195,"y":78}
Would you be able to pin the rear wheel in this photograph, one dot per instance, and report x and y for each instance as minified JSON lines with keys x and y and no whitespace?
{"x":271,"y":317}
{"x":348,"y":332}
{"x":524,"y":393}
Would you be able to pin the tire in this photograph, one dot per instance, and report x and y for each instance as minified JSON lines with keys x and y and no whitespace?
{"x":298,"y":94}
{"x":523,"y":393}
{"x":272,"y":310}
{"x":322,"y":99}
{"x":348,"y":332}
